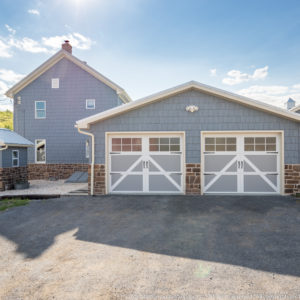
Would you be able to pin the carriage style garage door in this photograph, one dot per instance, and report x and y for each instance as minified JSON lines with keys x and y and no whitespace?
{"x":148,"y":163}
{"x":241,"y":163}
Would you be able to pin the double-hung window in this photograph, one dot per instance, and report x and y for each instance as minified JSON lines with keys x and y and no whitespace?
{"x":40,"y":151}
{"x":40,"y":109}
{"x":15,"y":158}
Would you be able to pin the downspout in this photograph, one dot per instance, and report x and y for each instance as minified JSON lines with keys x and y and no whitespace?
{"x":93,"y":157}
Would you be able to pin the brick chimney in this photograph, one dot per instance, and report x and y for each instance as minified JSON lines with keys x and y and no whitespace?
{"x":66,"y":46}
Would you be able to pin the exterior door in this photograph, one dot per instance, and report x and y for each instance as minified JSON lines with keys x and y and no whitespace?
{"x":145,"y":164}
{"x":243,"y":163}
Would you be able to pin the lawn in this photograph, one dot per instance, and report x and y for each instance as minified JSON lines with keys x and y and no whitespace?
{"x":8,"y":203}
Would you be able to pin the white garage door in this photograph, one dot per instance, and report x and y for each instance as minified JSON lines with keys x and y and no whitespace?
{"x":151,"y":163}
{"x":242,"y":163}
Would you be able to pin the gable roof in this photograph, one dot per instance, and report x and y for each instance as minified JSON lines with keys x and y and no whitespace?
{"x":11,"y":138}
{"x":296,"y":108}
{"x":56,"y":58}
{"x":85,"y":123}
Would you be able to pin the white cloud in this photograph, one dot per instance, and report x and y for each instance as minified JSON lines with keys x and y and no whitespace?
{"x":236,"y":76}
{"x":33,"y":12}
{"x":10,"y":76}
{"x":10,"y":29}
{"x":213,"y":72}
{"x":46,"y":45}
{"x":28,"y":45}
{"x":76,"y":39}
{"x":4,"y":49}
{"x":272,"y":94}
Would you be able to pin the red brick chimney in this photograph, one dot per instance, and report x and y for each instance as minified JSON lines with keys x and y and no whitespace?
{"x":66,"y":46}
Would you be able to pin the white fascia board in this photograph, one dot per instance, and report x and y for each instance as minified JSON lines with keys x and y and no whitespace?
{"x":52,"y":61}
{"x":84,"y":123}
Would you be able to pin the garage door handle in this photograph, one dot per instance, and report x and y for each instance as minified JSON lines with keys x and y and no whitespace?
{"x":275,"y":152}
{"x":114,"y":152}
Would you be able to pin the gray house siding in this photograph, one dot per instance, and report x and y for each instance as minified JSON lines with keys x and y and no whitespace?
{"x":6,"y":157}
{"x":64,"y":106}
{"x":214,"y":114}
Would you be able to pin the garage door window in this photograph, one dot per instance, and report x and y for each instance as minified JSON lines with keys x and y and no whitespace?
{"x":126,"y":144}
{"x":220,"y":144}
{"x":164,"y":144}
{"x":260,"y":143}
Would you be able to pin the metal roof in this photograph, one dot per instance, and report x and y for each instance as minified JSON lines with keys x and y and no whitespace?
{"x":11,"y":138}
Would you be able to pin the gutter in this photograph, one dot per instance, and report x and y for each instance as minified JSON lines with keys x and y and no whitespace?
{"x":93,"y":156}
{"x":4,"y":148}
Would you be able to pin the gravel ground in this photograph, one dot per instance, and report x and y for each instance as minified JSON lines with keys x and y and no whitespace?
{"x":47,"y":187}
{"x":150,"y":247}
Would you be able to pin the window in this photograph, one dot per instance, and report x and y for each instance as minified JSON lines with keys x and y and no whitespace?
{"x":55,"y":83}
{"x":220,"y":144}
{"x":90,"y":104}
{"x":87,"y":149}
{"x":15,"y":158}
{"x":164,"y":144}
{"x":260,"y":143}
{"x":40,"y":151}
{"x":40,"y":109}
{"x":126,"y":144}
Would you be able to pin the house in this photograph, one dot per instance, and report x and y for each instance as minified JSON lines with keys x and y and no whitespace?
{"x":47,"y":104}
{"x":291,"y":106}
{"x":193,"y":139}
{"x":13,"y":158}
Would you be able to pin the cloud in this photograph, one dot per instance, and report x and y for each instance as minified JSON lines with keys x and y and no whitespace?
{"x":236,"y":76}
{"x":4,"y":49}
{"x":272,"y":94}
{"x":10,"y":76}
{"x":10,"y":29}
{"x":76,"y":39}
{"x":46,"y":45}
{"x":28,"y":45}
{"x":7,"y":79}
{"x":33,"y":12}
{"x":213,"y":72}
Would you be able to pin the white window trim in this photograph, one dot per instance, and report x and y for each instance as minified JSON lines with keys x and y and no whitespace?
{"x":12,"y":158}
{"x":35,"y":109}
{"x":86,"y":104}
{"x":53,"y":83}
{"x":35,"y":156}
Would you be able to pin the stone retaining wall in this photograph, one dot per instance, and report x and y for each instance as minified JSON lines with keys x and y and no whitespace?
{"x":57,"y":171}
{"x":292,"y":179}
{"x":12,"y":176}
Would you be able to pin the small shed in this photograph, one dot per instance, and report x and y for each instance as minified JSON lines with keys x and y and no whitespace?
{"x":13,"y":158}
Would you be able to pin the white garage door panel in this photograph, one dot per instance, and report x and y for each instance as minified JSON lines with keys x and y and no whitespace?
{"x":242,"y":163}
{"x":145,"y":164}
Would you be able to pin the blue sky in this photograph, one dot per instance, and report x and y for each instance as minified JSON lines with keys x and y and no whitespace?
{"x":248,"y":47}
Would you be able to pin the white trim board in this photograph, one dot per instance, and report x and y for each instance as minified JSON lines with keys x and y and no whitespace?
{"x":56,"y":58}
{"x":85,"y":123}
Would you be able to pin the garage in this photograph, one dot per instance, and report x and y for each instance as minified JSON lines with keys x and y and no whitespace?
{"x":148,"y":163}
{"x":242,"y":163}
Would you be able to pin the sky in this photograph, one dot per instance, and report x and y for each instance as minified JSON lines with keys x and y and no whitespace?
{"x":249,"y":47}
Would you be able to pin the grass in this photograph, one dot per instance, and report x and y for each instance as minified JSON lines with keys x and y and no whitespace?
{"x":8,"y":203}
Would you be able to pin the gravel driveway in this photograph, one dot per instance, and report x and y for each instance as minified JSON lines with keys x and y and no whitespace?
{"x":151,"y":247}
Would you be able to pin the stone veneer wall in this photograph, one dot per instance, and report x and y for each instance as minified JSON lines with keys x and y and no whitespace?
{"x":192,"y":179}
{"x":12,"y":176}
{"x":99,"y":180}
{"x":58,"y":171}
{"x":292,"y":179}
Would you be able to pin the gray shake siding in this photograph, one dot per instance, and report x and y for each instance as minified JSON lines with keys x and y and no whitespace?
{"x":64,"y":106}
{"x":214,"y":114}
{"x":6,"y":157}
